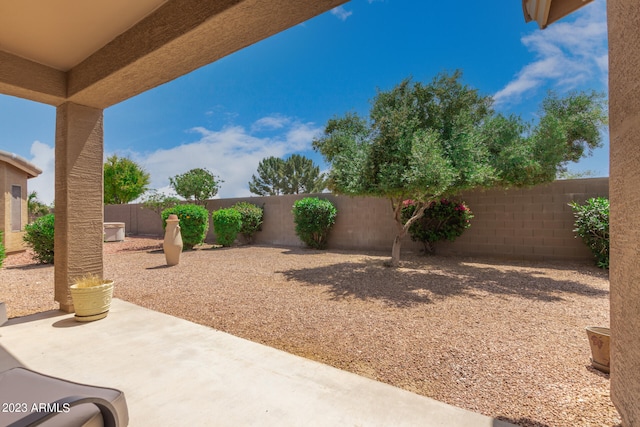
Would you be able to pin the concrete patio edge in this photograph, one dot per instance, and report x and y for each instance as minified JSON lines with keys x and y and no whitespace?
{"x":175,"y":373}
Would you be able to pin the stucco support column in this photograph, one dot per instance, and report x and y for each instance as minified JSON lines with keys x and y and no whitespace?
{"x":78,"y":203}
{"x":624,"y":193}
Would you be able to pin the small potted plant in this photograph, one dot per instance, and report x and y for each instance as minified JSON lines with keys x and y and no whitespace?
{"x":91,"y":297}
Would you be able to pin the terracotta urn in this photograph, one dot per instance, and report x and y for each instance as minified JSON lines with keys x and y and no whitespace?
{"x":172,"y":244}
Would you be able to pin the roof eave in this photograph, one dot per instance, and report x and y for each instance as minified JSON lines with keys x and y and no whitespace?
{"x":13,"y":159}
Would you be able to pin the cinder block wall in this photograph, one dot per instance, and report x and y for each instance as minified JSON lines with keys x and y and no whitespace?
{"x":533,"y":223}
{"x":362,"y":222}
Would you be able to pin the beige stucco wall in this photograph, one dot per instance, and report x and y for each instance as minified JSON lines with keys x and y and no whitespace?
{"x":10,"y":175}
{"x":624,"y":128}
{"x":534,"y":223}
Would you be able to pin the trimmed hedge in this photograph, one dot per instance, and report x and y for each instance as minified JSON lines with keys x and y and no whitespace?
{"x":194,"y":223}
{"x":226,"y":224}
{"x":2,"y":251}
{"x":314,"y":218}
{"x":39,"y":237}
{"x":592,"y":225}
{"x":252,"y":216}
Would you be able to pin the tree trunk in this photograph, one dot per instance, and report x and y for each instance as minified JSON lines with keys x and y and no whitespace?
{"x":395,"y":251}
{"x":403,"y":229}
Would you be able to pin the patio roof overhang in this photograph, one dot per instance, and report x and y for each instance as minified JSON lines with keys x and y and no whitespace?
{"x":102,"y":52}
{"x":546,"y":12}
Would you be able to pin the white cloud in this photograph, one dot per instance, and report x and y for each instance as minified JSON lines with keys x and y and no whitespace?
{"x":568,"y":54}
{"x":270,"y":123}
{"x":300,"y":136}
{"x":341,"y":13}
{"x":231,"y":153}
{"x":43,"y":156}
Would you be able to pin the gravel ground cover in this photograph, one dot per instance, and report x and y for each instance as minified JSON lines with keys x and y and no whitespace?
{"x":502,"y":338}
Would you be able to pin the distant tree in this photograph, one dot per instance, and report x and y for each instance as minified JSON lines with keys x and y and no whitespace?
{"x":35,"y":207}
{"x":198,"y":185}
{"x":295,"y":175}
{"x":157,"y":202}
{"x":301,"y":176}
{"x":124,"y":180}
{"x":424,"y":142}
{"x":571,"y":174}
{"x":270,"y":177}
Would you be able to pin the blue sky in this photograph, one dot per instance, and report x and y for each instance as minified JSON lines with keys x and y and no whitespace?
{"x":272,"y":98}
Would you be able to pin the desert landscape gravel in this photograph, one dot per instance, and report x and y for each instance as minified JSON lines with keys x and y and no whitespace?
{"x":503,"y":338}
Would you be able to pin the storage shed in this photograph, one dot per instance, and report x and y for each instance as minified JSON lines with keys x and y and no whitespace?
{"x":14,"y":173}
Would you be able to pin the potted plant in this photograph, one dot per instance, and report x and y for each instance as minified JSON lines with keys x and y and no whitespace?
{"x":599,"y":339}
{"x":91,"y":297}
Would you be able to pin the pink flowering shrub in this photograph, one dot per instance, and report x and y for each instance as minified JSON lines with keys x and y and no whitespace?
{"x":442,"y":220}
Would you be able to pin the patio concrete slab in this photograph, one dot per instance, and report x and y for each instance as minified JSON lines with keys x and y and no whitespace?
{"x":178,"y":373}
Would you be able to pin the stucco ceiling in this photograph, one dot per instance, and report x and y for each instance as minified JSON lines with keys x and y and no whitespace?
{"x":62,"y":33}
{"x":97,"y":53}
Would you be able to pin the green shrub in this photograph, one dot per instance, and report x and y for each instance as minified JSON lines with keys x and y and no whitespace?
{"x":592,"y":224}
{"x":252,"y":216}
{"x":227,"y":224}
{"x":39,"y":237}
{"x":442,"y":220}
{"x":2,"y":251}
{"x":314,"y":218}
{"x":194,"y":223}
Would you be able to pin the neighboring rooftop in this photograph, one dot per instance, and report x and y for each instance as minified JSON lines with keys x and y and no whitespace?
{"x":29,"y":168}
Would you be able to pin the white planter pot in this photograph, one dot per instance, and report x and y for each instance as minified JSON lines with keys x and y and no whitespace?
{"x":92,"y":303}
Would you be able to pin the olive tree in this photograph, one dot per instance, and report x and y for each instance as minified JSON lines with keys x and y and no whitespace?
{"x":428,"y":141}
